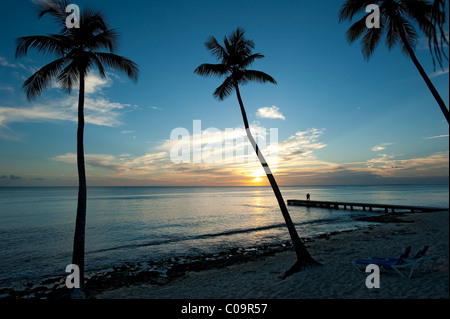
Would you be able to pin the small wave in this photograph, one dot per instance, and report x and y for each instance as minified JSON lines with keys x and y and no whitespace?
{"x":186,"y":238}
{"x":172,"y":240}
{"x":257,"y":206}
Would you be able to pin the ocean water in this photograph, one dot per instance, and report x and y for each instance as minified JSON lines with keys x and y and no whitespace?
{"x":132,"y":224}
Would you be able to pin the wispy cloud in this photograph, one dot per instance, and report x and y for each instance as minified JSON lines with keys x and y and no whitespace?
{"x":270,"y":112}
{"x":301,"y":145}
{"x":94,"y":84}
{"x":4,"y":62}
{"x":380,"y":147}
{"x":439,"y":73}
{"x":295,"y":152}
{"x":98,"y":109}
{"x":297,"y":163}
{"x":437,"y":136}
{"x":7,"y":88}
{"x":149,"y":163}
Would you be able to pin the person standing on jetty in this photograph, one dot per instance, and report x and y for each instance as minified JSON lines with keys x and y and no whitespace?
{"x":308,"y":196}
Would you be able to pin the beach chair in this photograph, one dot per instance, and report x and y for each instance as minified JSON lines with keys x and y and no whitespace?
{"x":419,"y":259}
{"x":405,"y":254}
{"x":386,"y":262}
{"x":398,"y":263}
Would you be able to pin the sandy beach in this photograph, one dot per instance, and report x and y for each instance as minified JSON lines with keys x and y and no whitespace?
{"x":335,"y":279}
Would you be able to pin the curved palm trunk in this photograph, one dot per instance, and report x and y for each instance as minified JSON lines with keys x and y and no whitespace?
{"x":80,"y":225}
{"x":304,"y":259}
{"x":424,"y":74}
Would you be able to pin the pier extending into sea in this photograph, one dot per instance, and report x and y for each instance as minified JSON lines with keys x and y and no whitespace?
{"x":364,"y":206}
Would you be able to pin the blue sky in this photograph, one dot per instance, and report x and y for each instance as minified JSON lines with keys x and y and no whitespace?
{"x":339,"y":119}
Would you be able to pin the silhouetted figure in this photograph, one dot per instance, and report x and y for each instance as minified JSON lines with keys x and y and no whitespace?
{"x":308,"y":196}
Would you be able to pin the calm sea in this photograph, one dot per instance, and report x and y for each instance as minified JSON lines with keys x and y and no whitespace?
{"x":130,"y":224}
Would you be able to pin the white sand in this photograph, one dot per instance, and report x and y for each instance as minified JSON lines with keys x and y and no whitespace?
{"x":336,"y":279}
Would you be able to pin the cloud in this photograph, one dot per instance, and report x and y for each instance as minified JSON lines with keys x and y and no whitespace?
{"x":213,"y":145}
{"x":437,"y":136}
{"x":94,"y":83}
{"x":271,"y":112}
{"x":98,"y":110}
{"x":301,"y":145}
{"x":380,"y":147}
{"x":123,"y":163}
{"x":297,"y":163}
{"x":439,"y":73}
{"x":7,"y":88}
{"x":4,"y":62}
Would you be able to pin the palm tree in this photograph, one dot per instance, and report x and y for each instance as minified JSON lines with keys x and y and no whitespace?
{"x":396,"y":21}
{"x":235,"y":56}
{"x":437,"y":43}
{"x":77,"y":52}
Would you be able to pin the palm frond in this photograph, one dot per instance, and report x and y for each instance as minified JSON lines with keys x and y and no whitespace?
{"x":247,"y":61}
{"x":352,"y":7}
{"x":258,"y":76}
{"x":70,"y":76}
{"x":101,"y":69}
{"x":106,"y":39}
{"x":55,"y":8}
{"x":207,"y":69}
{"x":216,"y":49}
{"x":235,"y":55}
{"x":370,"y":41}
{"x":239,"y":43}
{"x":392,"y":34}
{"x":119,"y":63}
{"x":411,"y":36}
{"x":437,"y":39}
{"x":225,"y":89}
{"x":52,"y":44}
{"x":419,"y":11}
{"x":36,"y":83}
{"x":357,"y":29}
{"x":92,"y":21}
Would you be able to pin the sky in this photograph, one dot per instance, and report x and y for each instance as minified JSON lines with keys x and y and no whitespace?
{"x":332,"y":119}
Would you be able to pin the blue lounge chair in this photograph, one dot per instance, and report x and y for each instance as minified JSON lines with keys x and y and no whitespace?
{"x":418,"y":259}
{"x":397,"y":263}
{"x":420,"y":253}
{"x":405,"y":254}
{"x":381,"y":261}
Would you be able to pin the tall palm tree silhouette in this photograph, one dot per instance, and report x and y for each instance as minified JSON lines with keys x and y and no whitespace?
{"x":77,"y":52}
{"x":235,"y":56}
{"x":396,"y":21}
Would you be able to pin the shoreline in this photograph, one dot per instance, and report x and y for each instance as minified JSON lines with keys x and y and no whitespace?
{"x":254,"y":272}
{"x":336,"y":279}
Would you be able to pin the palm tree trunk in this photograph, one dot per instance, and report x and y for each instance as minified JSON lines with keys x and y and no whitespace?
{"x":423,"y":73}
{"x":304,"y":258}
{"x":80,"y":225}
